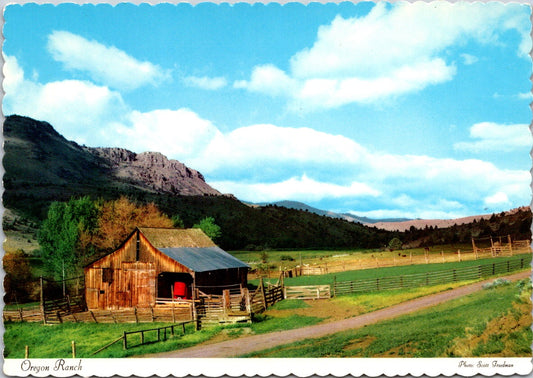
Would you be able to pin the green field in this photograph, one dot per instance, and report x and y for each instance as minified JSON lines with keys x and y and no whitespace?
{"x":492,"y":322}
{"x":363,"y":274}
{"x":54,"y":341}
{"x":291,"y":258}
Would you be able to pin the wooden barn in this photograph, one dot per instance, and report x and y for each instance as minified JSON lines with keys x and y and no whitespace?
{"x":163,"y":263}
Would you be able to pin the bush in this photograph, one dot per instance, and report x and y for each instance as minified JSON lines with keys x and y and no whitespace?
{"x":286,"y":258}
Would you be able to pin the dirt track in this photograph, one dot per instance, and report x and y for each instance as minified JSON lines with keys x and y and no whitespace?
{"x":240,"y":346}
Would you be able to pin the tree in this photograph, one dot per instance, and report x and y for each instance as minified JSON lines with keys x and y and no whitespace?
{"x":395,"y":243}
{"x":209,"y":227}
{"x":119,"y":218}
{"x":65,"y":236}
{"x":18,"y":277}
{"x":177,"y":222}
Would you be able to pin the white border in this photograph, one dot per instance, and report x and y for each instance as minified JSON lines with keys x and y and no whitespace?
{"x":301,"y":367}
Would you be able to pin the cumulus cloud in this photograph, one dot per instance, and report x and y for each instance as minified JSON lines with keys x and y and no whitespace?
{"x":393,"y":50}
{"x":295,"y":188}
{"x":106,"y":65}
{"x":491,"y":136}
{"x":204,"y":82}
{"x":266,"y":162}
{"x":76,"y":108}
{"x":177,"y":133}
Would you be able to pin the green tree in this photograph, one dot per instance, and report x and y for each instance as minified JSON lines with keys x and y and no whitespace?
{"x":209,"y":227}
{"x":177,"y":222}
{"x":395,"y":243}
{"x":65,"y":235}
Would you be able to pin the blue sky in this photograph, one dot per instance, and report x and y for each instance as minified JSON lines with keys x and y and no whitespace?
{"x":412,"y":110}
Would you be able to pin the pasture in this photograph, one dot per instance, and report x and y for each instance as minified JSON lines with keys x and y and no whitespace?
{"x":494,"y":322}
{"x":364,"y":274}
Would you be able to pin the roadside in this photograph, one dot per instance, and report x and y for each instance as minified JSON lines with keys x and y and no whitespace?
{"x":248,"y":344}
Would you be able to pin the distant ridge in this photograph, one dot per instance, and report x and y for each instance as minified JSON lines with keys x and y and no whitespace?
{"x":349,"y":217}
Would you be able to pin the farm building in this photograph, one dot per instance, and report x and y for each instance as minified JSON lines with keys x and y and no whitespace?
{"x":164,"y":263}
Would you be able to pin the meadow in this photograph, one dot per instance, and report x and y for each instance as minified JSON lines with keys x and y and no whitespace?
{"x":493,"y":322}
{"x":363,"y":274}
{"x":54,"y":341}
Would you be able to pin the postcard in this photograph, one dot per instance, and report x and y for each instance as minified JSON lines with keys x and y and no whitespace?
{"x":267,"y":189}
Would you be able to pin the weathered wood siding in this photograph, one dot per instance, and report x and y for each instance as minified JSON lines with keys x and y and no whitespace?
{"x":119,"y":280}
{"x":128,"y":277}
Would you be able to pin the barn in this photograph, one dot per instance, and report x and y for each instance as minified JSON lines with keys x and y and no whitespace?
{"x":164,"y":263}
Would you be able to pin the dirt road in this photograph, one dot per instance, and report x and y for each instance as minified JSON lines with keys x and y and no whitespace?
{"x":240,"y":346}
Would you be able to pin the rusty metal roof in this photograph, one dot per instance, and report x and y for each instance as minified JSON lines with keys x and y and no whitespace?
{"x":203,"y":259}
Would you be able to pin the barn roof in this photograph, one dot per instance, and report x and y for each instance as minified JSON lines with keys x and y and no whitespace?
{"x":203,"y":259}
{"x":176,"y":238}
{"x":192,"y":248}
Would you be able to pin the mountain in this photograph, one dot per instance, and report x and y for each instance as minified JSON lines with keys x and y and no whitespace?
{"x":42,"y":164}
{"x":153,"y":171}
{"x":346,"y":216}
{"x":442,"y":223}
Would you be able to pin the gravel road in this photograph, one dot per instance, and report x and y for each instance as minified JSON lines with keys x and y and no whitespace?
{"x":247,"y":344}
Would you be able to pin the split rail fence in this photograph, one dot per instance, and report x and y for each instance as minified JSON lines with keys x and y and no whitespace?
{"x":429,"y":278}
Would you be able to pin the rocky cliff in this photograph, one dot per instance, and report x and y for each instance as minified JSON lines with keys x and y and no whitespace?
{"x":154,"y":171}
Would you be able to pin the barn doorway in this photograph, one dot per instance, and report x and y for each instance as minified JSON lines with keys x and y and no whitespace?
{"x":177,"y":285}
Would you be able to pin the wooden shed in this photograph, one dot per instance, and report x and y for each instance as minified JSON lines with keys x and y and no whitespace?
{"x":161,"y":263}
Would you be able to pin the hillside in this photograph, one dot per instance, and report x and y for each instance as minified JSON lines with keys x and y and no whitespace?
{"x":349,"y":217}
{"x":438,"y":223}
{"x":42,"y":167}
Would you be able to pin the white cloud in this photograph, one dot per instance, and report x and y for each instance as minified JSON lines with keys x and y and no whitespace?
{"x":469,"y":59}
{"x":267,"y":162}
{"x":525,"y":96}
{"x":295,"y":188}
{"x":268,"y":79}
{"x":106,"y":65}
{"x":204,"y":82}
{"x":176,"y":133}
{"x":393,"y":50}
{"x":498,"y":199}
{"x":76,"y":108}
{"x":497,"y":137}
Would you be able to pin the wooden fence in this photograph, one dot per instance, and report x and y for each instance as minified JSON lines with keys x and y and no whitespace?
{"x":307,"y":292}
{"x":429,"y":278}
{"x":408,"y":258}
{"x":165,"y":314}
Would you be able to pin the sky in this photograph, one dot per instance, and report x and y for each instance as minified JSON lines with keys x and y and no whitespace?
{"x":375,"y":109}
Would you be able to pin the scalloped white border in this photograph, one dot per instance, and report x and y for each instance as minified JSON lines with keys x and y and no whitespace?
{"x":263,"y":367}
{"x":300,"y":367}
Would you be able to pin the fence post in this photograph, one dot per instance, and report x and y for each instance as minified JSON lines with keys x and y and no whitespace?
{"x":73,"y":349}
{"x":26,"y":352}
{"x":493,"y":269}
{"x":334,"y":286}
{"x":41,"y":296}
{"x":124,"y":341}
{"x":454,"y":276}
{"x":377,"y":283}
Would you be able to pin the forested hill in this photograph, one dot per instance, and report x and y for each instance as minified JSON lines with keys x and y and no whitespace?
{"x":42,"y":167}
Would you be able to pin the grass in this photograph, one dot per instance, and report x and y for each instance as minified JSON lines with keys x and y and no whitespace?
{"x":391,"y":271}
{"x":54,"y":341}
{"x":492,"y":322}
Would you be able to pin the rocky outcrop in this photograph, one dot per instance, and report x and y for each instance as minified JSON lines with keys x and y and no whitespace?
{"x":154,"y":171}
